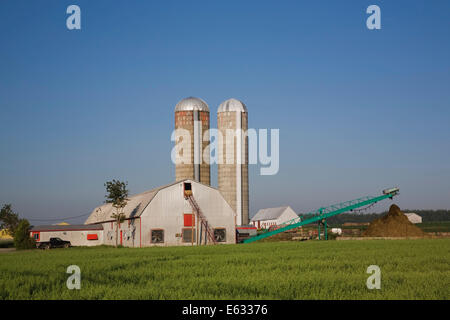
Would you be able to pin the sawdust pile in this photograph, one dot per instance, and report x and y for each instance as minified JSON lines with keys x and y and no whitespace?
{"x":394,"y":224}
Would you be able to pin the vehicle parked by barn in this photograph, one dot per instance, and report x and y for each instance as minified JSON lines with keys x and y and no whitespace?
{"x":53,"y":243}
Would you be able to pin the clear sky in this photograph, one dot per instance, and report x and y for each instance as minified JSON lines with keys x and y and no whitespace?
{"x":358,"y":110}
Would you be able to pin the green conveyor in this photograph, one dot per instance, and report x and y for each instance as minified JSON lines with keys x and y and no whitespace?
{"x":323,"y":213}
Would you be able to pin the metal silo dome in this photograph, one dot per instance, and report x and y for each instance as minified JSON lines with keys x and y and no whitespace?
{"x":190,"y":104}
{"x":232,"y":105}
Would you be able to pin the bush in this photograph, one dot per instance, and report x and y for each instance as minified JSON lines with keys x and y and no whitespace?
{"x":6,"y":243}
{"x":22,"y":239}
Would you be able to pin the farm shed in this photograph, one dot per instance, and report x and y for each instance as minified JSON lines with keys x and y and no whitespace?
{"x":245,"y":231}
{"x":265,"y":218}
{"x":413,"y":217}
{"x":164,"y":217}
{"x":78,"y":235}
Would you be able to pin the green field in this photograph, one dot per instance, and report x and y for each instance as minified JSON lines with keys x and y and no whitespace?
{"x":410,"y":269}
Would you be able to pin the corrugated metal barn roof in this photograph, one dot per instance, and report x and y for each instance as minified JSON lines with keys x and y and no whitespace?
{"x":71,"y":227}
{"x":135,"y":206}
{"x":269,"y":213}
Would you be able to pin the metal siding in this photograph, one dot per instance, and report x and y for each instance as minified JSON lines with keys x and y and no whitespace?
{"x":165,"y":211}
{"x":191,"y":103}
{"x":232,"y":105}
{"x":76,"y":238}
{"x":287,"y":215}
{"x":130,"y":231}
{"x":168,"y":206}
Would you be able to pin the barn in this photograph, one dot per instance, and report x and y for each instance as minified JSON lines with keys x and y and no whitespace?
{"x":413,"y":217}
{"x":265,"y":218}
{"x":167,"y":216}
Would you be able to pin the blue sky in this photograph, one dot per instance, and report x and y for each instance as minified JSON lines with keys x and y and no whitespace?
{"x":358,"y":110}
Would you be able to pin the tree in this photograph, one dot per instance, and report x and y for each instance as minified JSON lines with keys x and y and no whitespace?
{"x":22,"y":239}
{"x":9,"y":220}
{"x":117,"y":195}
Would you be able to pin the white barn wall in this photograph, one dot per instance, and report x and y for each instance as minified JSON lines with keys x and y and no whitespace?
{"x":165,"y":212}
{"x":167,"y":208}
{"x":265,"y":224}
{"x":287,"y":215}
{"x":164,"y":208}
{"x":76,"y":238}
{"x":109,"y":233}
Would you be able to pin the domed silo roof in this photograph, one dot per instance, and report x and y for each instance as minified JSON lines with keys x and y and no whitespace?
{"x":190,"y":104}
{"x":232,"y":105}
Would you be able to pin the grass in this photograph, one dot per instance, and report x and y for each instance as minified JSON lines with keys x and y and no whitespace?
{"x":410,"y":269}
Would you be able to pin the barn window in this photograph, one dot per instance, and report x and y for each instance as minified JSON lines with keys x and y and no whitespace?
{"x":188,"y":235}
{"x":157,"y":236}
{"x":187,"y":189}
{"x":220,"y":234}
{"x":189,"y":220}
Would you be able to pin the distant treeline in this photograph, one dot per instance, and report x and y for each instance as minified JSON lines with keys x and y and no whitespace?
{"x":427,"y":216}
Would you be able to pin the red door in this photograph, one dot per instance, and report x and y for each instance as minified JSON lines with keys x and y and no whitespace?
{"x":120,"y":237}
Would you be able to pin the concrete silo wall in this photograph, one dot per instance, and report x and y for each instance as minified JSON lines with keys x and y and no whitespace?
{"x":232,"y":180}
{"x":185,"y":120}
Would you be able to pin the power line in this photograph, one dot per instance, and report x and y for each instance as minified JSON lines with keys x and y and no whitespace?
{"x":66,"y":218}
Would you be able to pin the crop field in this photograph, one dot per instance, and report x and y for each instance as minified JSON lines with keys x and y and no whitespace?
{"x":410,"y":269}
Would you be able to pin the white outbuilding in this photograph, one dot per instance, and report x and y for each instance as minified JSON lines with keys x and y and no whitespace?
{"x":265,"y":218}
{"x":413,"y":217}
{"x":77,"y":234}
{"x":165,"y":217}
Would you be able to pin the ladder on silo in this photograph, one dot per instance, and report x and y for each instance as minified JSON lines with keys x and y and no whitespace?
{"x":204,"y":223}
